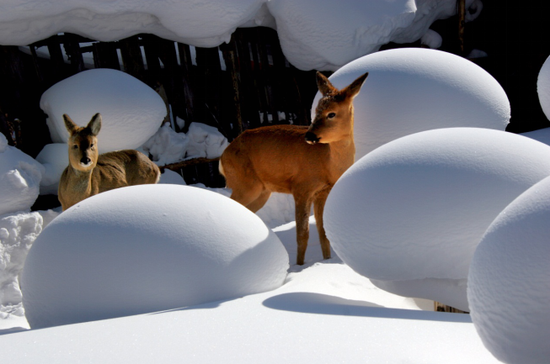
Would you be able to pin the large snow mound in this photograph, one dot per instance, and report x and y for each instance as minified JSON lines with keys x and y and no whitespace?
{"x":312,"y":36}
{"x":543,"y":87}
{"x":20,"y":177}
{"x":147,"y":248}
{"x":414,"y":89}
{"x":509,"y":281}
{"x":413,"y":211}
{"x":132,"y":111}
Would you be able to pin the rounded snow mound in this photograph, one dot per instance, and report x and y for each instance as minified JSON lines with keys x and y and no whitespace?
{"x":415,"y":89}
{"x":411,"y":213}
{"x":543,"y":87}
{"x":55,"y":158}
{"x":132,"y":111}
{"x":20,"y":177}
{"x":509,"y":280}
{"x":147,"y":248}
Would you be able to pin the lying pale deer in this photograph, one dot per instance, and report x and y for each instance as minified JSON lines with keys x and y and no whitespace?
{"x":303,"y":161}
{"x":90,"y":173}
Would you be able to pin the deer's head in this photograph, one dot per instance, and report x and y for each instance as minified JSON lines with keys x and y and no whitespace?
{"x":83,"y":150}
{"x":333,"y":119}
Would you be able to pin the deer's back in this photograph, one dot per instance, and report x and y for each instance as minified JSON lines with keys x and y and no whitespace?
{"x":124,"y":168}
{"x":276,"y":155}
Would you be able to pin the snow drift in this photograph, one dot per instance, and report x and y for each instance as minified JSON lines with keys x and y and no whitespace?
{"x":411,"y":213}
{"x":414,"y":89}
{"x":121,"y":253}
{"x":313,"y":36}
{"x":17,"y":233}
{"x":20,"y":177}
{"x":509,"y":280}
{"x":132,"y":111}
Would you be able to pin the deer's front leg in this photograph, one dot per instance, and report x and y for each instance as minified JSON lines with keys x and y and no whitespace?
{"x":302,"y":209}
{"x":318,"y":208}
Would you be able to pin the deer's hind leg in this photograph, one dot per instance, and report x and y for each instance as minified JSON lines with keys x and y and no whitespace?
{"x":246,"y":188}
{"x":259,"y":202}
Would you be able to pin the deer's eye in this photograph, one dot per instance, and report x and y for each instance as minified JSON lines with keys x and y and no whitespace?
{"x":75,"y":146}
{"x":331,"y":115}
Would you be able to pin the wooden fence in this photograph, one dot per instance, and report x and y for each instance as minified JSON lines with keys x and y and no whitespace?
{"x":243,"y":84}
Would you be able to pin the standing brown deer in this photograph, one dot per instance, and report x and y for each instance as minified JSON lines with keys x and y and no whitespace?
{"x":303,"y":161}
{"x":90,"y":173}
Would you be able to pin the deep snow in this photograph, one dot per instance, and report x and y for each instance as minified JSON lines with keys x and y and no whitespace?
{"x":411,"y":213}
{"x":356,"y":28}
{"x":323,"y":312}
{"x":515,"y":251}
{"x":131,"y":111}
{"x":92,"y":263}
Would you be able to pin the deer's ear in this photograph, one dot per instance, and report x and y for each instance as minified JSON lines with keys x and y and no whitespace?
{"x":353,"y":89}
{"x":324,"y":85}
{"x":95,"y":124}
{"x":69,"y":124}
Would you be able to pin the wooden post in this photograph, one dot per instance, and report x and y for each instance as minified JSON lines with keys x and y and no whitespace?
{"x":72,"y":48}
{"x":229,"y":55}
{"x":186,"y":65}
{"x":461,"y":23}
{"x":105,"y":55}
{"x":440,"y":307}
{"x":131,"y":57}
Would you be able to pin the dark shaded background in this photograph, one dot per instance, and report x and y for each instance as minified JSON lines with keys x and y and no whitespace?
{"x":515,"y":36}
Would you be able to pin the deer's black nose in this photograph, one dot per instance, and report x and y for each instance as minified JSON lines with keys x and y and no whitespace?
{"x":311,"y":138}
{"x":85,"y":160}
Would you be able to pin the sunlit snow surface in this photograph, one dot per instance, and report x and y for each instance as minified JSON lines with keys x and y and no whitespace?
{"x":131,"y":111}
{"x":147,"y":248}
{"x":314,"y":35}
{"x":514,"y":322}
{"x":411,"y":213}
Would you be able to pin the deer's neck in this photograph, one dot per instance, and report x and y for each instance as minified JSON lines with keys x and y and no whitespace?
{"x":342,"y":156}
{"x":343,"y":151}
{"x":82,"y":181}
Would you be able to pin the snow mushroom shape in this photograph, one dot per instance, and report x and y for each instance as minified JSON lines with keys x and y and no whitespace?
{"x":411,"y":213}
{"x":147,"y":248}
{"x":543,"y":87}
{"x":509,"y":280}
{"x":414,"y":89}
{"x":132,"y":111}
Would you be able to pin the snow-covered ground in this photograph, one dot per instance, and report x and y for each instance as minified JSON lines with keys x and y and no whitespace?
{"x":324,"y":311}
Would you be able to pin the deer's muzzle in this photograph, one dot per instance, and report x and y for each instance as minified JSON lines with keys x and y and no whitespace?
{"x":311,"y":138}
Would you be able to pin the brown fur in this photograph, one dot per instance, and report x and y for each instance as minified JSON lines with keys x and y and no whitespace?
{"x":90,"y":173}
{"x":303,"y":161}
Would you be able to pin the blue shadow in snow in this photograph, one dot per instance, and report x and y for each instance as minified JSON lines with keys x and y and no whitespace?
{"x":321,"y":304}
